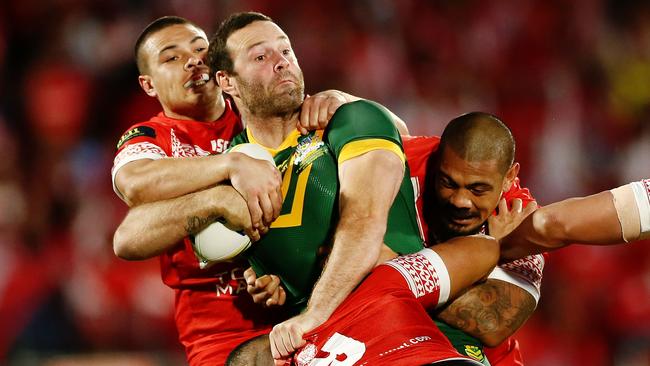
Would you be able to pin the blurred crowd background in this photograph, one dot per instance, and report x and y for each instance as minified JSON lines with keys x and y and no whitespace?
{"x":571,"y":78}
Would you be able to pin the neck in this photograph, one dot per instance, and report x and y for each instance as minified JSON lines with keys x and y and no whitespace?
{"x":208,"y":111}
{"x":270,"y":131}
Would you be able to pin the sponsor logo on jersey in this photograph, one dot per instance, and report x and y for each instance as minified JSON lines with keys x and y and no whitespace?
{"x":309,"y":148}
{"x":231,"y":282}
{"x":136,"y":132}
{"x":407,"y":344}
{"x":219,"y":145}
{"x":474,"y":352}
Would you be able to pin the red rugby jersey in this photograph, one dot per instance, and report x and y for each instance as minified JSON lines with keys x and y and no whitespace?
{"x":384,"y":322}
{"x":525,"y":273}
{"x":213,"y":311}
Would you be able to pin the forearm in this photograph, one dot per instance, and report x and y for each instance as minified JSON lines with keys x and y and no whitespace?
{"x":587,"y":220}
{"x":147,"y":180}
{"x":490,"y":311}
{"x":355,"y":251}
{"x":150,"y":229}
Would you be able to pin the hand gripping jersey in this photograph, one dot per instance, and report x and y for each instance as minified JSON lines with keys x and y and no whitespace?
{"x":384,"y":321}
{"x":294,"y":247}
{"x":525,"y":273}
{"x":214,"y":313}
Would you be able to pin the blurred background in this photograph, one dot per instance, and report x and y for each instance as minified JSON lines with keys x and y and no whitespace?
{"x":571,"y":78}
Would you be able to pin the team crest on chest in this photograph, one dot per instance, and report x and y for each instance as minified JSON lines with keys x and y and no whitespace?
{"x":309,"y":148}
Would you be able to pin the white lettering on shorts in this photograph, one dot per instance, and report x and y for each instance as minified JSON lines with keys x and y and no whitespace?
{"x":339,"y":350}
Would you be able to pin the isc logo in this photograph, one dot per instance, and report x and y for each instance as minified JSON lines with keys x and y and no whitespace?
{"x":219,"y":145}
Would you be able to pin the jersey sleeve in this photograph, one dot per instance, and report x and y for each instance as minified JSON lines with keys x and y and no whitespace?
{"x":359,"y":127}
{"x":426,"y":276}
{"x":141,"y":141}
{"x":517,"y":191}
{"x":525,"y":273}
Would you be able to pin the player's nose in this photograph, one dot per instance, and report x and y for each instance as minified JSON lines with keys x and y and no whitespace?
{"x":193,"y":62}
{"x":460,"y":199}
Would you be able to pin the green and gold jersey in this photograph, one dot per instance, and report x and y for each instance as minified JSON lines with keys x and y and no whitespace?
{"x":301,"y":236}
{"x":464,"y":343}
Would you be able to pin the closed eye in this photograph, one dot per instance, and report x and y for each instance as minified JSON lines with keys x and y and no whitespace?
{"x":480,"y":189}
{"x":447,"y":183}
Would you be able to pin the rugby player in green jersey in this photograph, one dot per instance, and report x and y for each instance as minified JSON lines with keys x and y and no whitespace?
{"x":346,"y":188}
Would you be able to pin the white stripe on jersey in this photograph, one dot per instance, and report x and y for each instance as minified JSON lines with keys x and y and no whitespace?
{"x":425,"y":273}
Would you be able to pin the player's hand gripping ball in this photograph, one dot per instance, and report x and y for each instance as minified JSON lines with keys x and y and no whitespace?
{"x":218,"y":243}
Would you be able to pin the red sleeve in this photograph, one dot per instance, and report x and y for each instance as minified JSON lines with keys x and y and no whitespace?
{"x":418,"y":149}
{"x":517,"y":191}
{"x":505,"y":354}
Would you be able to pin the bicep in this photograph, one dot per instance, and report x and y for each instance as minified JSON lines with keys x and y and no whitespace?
{"x":370,"y":179}
{"x":490,"y":311}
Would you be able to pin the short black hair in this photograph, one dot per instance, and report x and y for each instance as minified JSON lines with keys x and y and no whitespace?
{"x":153,"y":27}
{"x":479,"y":136}
{"x":218,"y":56}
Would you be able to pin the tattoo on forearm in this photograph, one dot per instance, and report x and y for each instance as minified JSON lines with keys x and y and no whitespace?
{"x":196,"y":223}
{"x":493,"y":307}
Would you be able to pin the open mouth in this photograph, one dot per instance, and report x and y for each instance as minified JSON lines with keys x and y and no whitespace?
{"x":197,"y":80}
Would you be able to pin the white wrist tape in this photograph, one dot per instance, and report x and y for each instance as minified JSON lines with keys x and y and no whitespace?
{"x":632,"y":202}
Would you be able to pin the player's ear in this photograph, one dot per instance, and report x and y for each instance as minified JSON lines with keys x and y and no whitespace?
{"x":146,"y":83}
{"x":511,"y":174}
{"x":226,"y":82}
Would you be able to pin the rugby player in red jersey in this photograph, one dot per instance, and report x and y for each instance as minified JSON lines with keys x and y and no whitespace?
{"x":461,"y":185}
{"x":177,"y":155}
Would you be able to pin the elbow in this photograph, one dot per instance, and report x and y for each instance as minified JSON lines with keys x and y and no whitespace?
{"x":125,"y":247}
{"x":132,"y":192}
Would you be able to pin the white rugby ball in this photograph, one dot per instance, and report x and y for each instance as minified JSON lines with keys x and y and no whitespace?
{"x":217,"y":243}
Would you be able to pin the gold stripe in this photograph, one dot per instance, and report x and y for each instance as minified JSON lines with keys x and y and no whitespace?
{"x":290,"y":140}
{"x":293,"y":218}
{"x":360,"y":147}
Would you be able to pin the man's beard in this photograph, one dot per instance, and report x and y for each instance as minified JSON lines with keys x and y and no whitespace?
{"x":444,"y":228}
{"x":262,"y":103}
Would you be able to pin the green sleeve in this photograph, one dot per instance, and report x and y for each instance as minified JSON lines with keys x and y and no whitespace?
{"x":368,"y":120}
{"x":360,"y":120}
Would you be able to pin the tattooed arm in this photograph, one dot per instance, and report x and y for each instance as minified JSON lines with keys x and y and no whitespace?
{"x":490,"y":311}
{"x":151,"y":228}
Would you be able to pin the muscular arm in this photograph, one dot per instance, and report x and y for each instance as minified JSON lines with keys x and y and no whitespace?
{"x":146,"y":181}
{"x":490,"y":311}
{"x":150,"y":229}
{"x":587,"y":220}
{"x":369,"y":184}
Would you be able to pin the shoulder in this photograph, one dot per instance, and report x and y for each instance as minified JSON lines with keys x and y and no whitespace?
{"x":139,"y":130}
{"x":420,"y":146}
{"x":360,"y":120}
